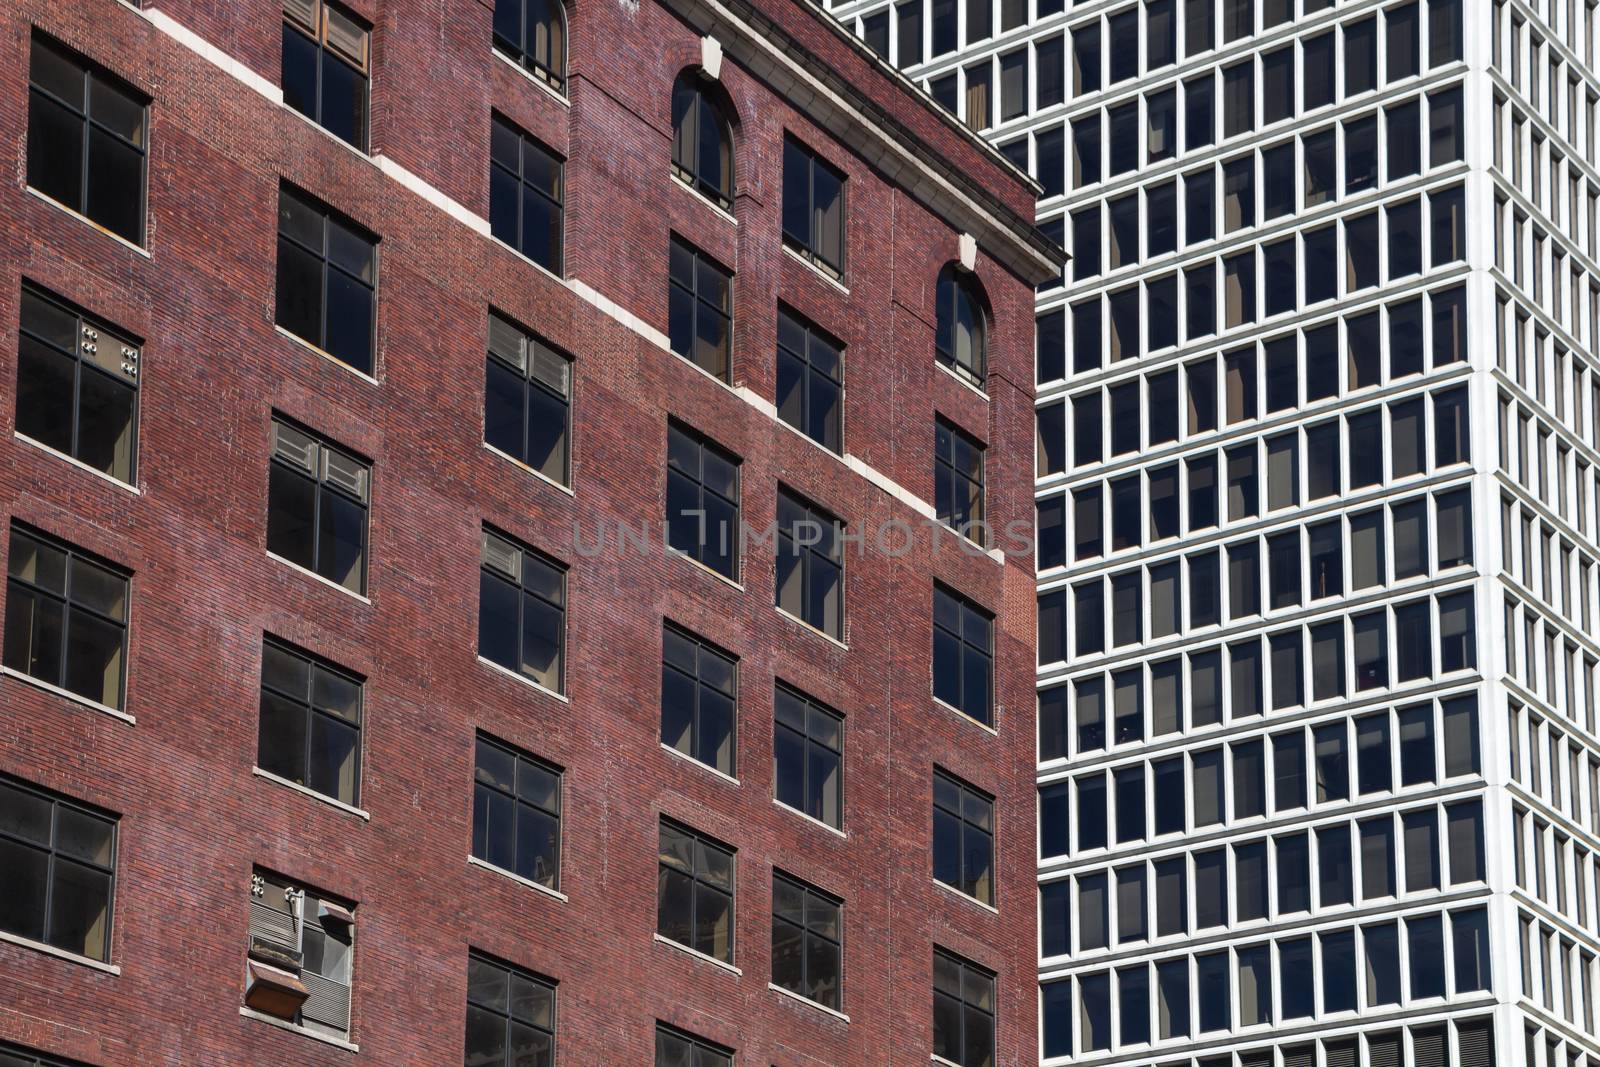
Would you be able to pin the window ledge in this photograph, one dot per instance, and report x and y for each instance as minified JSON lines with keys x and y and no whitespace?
{"x":808,"y":1002}
{"x":724,"y":775}
{"x":78,"y":463}
{"x":697,"y":954}
{"x":543,"y":477}
{"x":810,"y":819}
{"x":76,"y":698}
{"x":957,"y":711}
{"x":473,"y":861}
{"x":520,"y":69}
{"x":818,"y":271}
{"x":966,"y":382}
{"x":348,"y":809}
{"x":529,"y":682}
{"x":325,"y":354}
{"x":953,"y":891}
{"x":812,"y":629}
{"x":81,"y":217}
{"x":292,"y":565}
{"x":283,"y":1024}
{"x":718,"y":575}
{"x":721,"y":212}
{"x":530,"y":261}
{"x":58,"y":953}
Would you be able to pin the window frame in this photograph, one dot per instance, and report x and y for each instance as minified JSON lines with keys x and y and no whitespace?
{"x":321,"y":483}
{"x":697,"y":841}
{"x":93,"y":73}
{"x":54,"y":857}
{"x":701,"y":541}
{"x":965,"y":793}
{"x":308,"y":704}
{"x":512,"y":971}
{"x":90,"y":332}
{"x":533,"y":350}
{"x":520,"y":758}
{"x":701,"y":101}
{"x":319,"y":34}
{"x":810,"y":896}
{"x":966,"y":607}
{"x":958,"y":288}
{"x":807,"y":245}
{"x":71,"y":554}
{"x":811,"y":707}
{"x":808,"y":557}
{"x":965,"y":970}
{"x":328,"y":218}
{"x":948,"y":478}
{"x":700,"y":305}
{"x":525,"y":553}
{"x":502,"y":127}
{"x":701,"y":648}
{"x":810,"y":373}
{"x":545,"y":70}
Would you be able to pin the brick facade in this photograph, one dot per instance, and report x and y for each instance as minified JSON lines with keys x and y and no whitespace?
{"x":195,"y":819}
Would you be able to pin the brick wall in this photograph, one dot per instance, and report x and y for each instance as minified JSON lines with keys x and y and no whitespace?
{"x":194,"y":819}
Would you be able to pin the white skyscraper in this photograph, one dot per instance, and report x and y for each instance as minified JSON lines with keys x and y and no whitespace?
{"x":1319,"y":410}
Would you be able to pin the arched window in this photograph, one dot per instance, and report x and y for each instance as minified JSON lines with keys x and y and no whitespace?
{"x":958,"y":341}
{"x":702,"y":144}
{"x":534,"y":34}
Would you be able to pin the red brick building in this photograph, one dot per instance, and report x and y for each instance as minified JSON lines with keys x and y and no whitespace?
{"x":338,"y":340}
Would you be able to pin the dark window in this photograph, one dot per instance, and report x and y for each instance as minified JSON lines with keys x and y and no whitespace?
{"x":908,"y":32}
{"x":327,"y":280}
{"x":534,"y":34}
{"x":522,"y":598}
{"x":702,"y":145}
{"x":813,"y":208}
{"x":958,"y":340}
{"x":86,"y":139}
{"x":958,"y":480}
{"x":60,"y":858}
{"x":525,"y":194}
{"x":516,"y":813}
{"x":317,"y":501}
{"x":674,"y":1048}
{"x":310,"y":935}
{"x":810,"y":380}
{"x":875,"y":32}
{"x":310,"y":722}
{"x":702,"y":501}
{"x":963,"y":654}
{"x":528,"y":399}
{"x":810,"y":566}
{"x":325,"y":72}
{"x":511,"y":1015}
{"x":807,"y":940}
{"x":66,"y":618}
{"x":963,"y":837}
{"x":17,"y":1056}
{"x":808,"y":756}
{"x":700,"y":309}
{"x":963,"y":1011}
{"x":694,"y":892}
{"x":77,"y":386}
{"x":699,"y":696}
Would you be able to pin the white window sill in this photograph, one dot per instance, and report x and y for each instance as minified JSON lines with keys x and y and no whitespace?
{"x":809,"y":628}
{"x":78,"y":463}
{"x":718,"y":575}
{"x":473,"y":861}
{"x":75,"y":213}
{"x":818,"y":271}
{"x":974,"y":901}
{"x":553,"y":92}
{"x":543,"y":477}
{"x":530,"y":261}
{"x":325,"y":354}
{"x":990,"y":730}
{"x":808,"y":1002}
{"x":966,"y":383}
{"x":724,"y":775}
{"x":720,"y":211}
{"x":812,"y":819}
{"x":292,"y":565}
{"x":95,"y":705}
{"x":348,"y":809}
{"x":58,"y":953}
{"x":697,"y":954}
{"x":281,"y":1024}
{"x":525,"y":680}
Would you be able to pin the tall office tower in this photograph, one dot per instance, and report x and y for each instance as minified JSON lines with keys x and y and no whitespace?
{"x":1318,"y":410}
{"x":478,"y":484}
